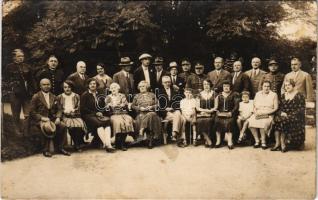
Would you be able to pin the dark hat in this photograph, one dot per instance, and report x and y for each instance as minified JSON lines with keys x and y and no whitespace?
{"x":124,"y":61}
{"x":185,"y":62}
{"x":144,"y":55}
{"x":198,"y":66}
{"x":271,"y":62}
{"x":48,"y":129}
{"x":158,"y":61}
{"x":173,"y":65}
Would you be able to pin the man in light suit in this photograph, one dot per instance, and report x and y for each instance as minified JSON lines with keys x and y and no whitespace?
{"x":125,"y":78}
{"x":255,"y":74}
{"x":303,"y":80}
{"x":79,"y":78}
{"x":44,"y":109}
{"x":145,"y":72}
{"x":218,"y":75}
{"x":241,"y":82}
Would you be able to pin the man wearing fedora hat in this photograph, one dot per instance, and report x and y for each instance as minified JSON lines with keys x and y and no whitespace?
{"x":177,"y":82}
{"x":125,"y":78}
{"x":274,"y":76}
{"x":159,"y":71}
{"x":46,"y":117}
{"x":145,"y":72}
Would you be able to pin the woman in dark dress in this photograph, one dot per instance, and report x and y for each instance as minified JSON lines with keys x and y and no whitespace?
{"x":206,"y":112}
{"x":289,"y":121}
{"x":226,"y":104}
{"x":147,"y":120}
{"x":93,"y":112}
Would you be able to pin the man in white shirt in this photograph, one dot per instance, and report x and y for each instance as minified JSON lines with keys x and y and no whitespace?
{"x":145,"y":72}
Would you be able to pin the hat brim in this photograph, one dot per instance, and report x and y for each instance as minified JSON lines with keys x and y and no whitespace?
{"x":145,"y":57}
{"x":50,"y":126}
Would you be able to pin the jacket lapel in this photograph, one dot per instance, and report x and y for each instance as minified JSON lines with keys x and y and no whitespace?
{"x":51,"y":99}
{"x":42,"y":99}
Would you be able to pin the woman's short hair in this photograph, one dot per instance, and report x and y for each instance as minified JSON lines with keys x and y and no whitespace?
{"x":69,"y":83}
{"x":208,"y":81}
{"x":290,"y":81}
{"x":226,"y":82}
{"x":88,"y":81}
{"x":144,"y":82}
{"x":245,"y":93}
{"x":101,"y":64}
{"x":267,"y":81}
{"x":115,"y":85}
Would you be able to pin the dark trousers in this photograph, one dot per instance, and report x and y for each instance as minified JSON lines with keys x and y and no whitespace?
{"x":18,"y":103}
{"x":58,"y":142}
{"x":77,"y":135}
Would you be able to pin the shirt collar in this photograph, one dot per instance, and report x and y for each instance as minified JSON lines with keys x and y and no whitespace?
{"x":45,"y":93}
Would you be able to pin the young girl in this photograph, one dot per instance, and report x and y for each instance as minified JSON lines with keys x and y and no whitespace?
{"x":245,"y":112}
{"x":188,"y":114}
{"x":226,"y":104}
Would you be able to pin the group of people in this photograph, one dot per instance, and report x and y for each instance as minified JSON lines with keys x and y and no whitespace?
{"x":155,"y":104}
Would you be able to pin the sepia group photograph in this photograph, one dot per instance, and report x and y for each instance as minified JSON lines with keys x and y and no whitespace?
{"x":158,"y":99}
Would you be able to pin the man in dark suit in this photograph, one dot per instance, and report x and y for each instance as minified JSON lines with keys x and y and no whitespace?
{"x":21,"y":87}
{"x":145,"y":72}
{"x":159,"y":72}
{"x":125,"y":78}
{"x":79,"y":78}
{"x":44,"y":109}
{"x":169,"y":106}
{"x":55,"y":75}
{"x":241,"y":82}
{"x":177,"y":82}
{"x":218,"y":75}
{"x":255,"y":74}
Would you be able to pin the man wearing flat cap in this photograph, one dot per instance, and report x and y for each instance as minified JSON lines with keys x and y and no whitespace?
{"x":177,"y":82}
{"x":274,"y":76}
{"x":195,"y":81}
{"x":159,"y":71}
{"x":145,"y":72}
{"x":125,"y":78}
{"x":46,"y":118}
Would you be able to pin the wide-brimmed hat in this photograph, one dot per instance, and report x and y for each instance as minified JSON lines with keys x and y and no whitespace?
{"x":173,"y":65}
{"x":158,"y":61}
{"x":48,"y":129}
{"x":125,"y":61}
{"x":144,"y":55}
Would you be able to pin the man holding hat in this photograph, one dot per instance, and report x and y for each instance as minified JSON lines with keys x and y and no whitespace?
{"x":177,"y":82}
{"x":274,"y":76}
{"x":46,"y":118}
{"x":186,"y":69}
{"x":159,"y":71}
{"x":145,"y":72}
{"x":195,"y":81}
{"x":125,"y":78}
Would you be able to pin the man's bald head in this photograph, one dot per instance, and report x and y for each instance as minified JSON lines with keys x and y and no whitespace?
{"x":45,"y":85}
{"x":81,"y":67}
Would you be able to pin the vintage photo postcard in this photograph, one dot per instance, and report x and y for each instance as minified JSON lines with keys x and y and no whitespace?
{"x":158,"y":99}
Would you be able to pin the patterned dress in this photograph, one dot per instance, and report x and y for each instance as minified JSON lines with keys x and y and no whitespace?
{"x":292,"y":126}
{"x":120,"y":121}
{"x":205,"y":121}
{"x":227,"y":104}
{"x":149,"y":120}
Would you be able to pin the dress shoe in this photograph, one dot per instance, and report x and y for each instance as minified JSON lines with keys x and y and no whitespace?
{"x":257,"y":145}
{"x":66,"y":153}
{"x":275,"y":148}
{"x":195,"y":143}
{"x":217,"y":145}
{"x":123,"y":148}
{"x":284,"y":150}
{"x":110,"y":150}
{"x":181,"y":144}
{"x":47,"y":154}
{"x":264,"y":146}
{"x":230,"y":147}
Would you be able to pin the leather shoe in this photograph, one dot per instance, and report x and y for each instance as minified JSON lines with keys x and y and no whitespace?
{"x":110,"y":150}
{"x":264,"y":146}
{"x":257,"y":145}
{"x":284,"y":150}
{"x":230,"y":147}
{"x":275,"y":148}
{"x":217,"y":145}
{"x":66,"y":153}
{"x":47,"y":154}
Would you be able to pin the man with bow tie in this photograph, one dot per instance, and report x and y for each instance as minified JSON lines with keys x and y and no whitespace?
{"x":145,"y":72}
{"x":79,"y":78}
{"x":44,"y":109}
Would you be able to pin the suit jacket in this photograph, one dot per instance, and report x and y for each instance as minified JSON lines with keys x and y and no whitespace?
{"x":163,"y":73}
{"x":75,"y":101}
{"x":242,"y":82}
{"x":88,"y":105}
{"x":20,"y":80}
{"x":165,"y":102}
{"x":126,"y":86}
{"x":139,"y":76}
{"x":79,"y":83}
{"x":39,"y":108}
{"x":180,"y":82}
{"x":217,"y":81}
{"x":55,"y":76}
{"x":255,"y":80}
{"x":303,"y":84}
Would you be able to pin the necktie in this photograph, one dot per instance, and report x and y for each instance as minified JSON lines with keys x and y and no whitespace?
{"x":128,"y":83}
{"x":254,"y":73}
{"x":174,"y":80}
{"x":217,"y":74}
{"x":158,"y":76}
{"x":234,"y":78}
